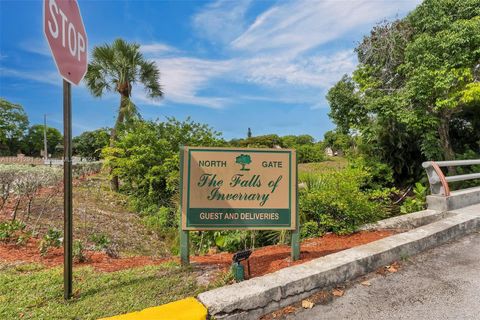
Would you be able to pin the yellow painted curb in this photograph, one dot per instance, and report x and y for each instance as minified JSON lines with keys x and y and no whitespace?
{"x":186,"y":309}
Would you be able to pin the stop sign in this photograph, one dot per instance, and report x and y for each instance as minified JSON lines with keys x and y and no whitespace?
{"x":66,"y":36}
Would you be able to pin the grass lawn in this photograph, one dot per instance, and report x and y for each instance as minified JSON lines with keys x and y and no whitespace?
{"x":330,"y":164}
{"x":30,"y":291}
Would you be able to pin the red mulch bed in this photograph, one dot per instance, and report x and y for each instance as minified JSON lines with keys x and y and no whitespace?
{"x":272,"y":258}
{"x":263,"y":260}
{"x":54,"y":257}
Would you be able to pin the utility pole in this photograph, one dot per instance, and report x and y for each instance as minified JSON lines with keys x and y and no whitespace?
{"x":45,"y":150}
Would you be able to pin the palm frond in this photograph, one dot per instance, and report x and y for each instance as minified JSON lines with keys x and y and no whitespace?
{"x":117,"y":67}
{"x":150,"y":78}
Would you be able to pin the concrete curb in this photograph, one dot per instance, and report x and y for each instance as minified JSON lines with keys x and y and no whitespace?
{"x":253,"y":298}
{"x":408,"y":221}
{"x":456,"y":200}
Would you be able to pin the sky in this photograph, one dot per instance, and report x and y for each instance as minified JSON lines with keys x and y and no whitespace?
{"x":234,"y":65}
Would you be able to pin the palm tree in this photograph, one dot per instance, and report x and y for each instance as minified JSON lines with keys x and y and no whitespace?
{"x":116,"y":68}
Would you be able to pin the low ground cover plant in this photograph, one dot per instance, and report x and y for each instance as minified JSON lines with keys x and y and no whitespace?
{"x":53,"y":239}
{"x":13,"y":231}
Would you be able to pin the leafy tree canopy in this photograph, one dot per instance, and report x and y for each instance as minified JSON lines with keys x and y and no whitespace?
{"x":146,"y":158}
{"x":34,"y":140}
{"x":13,"y":124}
{"x":90,"y":143}
{"x":416,"y":88}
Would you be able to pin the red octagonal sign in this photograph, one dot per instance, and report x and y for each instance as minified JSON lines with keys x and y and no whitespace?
{"x":66,"y":36}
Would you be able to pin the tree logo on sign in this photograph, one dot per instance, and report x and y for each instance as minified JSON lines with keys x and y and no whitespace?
{"x":243,"y":160}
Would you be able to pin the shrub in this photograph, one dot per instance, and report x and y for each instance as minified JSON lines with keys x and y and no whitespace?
{"x":310,"y":153}
{"x":146,"y":159}
{"x":100,"y":240}
{"x":162,"y":218}
{"x":11,"y":230}
{"x":309,"y":230}
{"x":83,"y":169}
{"x":78,"y":251}
{"x":379,"y":174}
{"x":336,"y":202}
{"x":24,"y":182}
{"x":53,"y":238}
{"x":231,"y":241}
{"x":417,"y":202}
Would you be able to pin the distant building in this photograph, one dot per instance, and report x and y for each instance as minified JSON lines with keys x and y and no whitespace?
{"x":329,"y":152}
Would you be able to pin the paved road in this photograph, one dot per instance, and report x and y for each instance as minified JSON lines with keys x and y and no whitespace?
{"x":442,"y":283}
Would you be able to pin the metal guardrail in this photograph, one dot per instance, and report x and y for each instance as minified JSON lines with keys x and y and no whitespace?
{"x":439,"y":182}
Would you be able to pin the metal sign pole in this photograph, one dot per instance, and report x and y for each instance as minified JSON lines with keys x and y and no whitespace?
{"x":295,"y":235}
{"x":184,"y":235}
{"x":67,"y":190}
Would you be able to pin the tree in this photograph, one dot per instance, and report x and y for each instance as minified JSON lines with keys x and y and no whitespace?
{"x":146,"y":158}
{"x":34,"y":140}
{"x":116,"y":68}
{"x":415,"y":87}
{"x":249,"y":133}
{"x":265,"y":141}
{"x":243,"y":160}
{"x":346,"y":110}
{"x":13,"y":124}
{"x":337,"y":141}
{"x":307,"y":153}
{"x":90,"y":143}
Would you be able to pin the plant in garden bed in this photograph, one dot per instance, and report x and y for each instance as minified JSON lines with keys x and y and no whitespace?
{"x":79,"y":251}
{"x":53,"y":238}
{"x":13,"y":231}
{"x":336,"y":202}
{"x":309,"y":229}
{"x":100,"y":240}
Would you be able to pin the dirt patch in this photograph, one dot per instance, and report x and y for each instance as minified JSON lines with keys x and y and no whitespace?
{"x":96,"y":211}
{"x":29,"y":253}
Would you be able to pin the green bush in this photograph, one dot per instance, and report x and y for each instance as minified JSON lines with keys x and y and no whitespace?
{"x":53,"y":238}
{"x":335,"y":201}
{"x":417,"y":202}
{"x":146,"y":160}
{"x":163,"y":218}
{"x":309,"y":230}
{"x":100,"y":240}
{"x":379,"y":175}
{"x":79,"y":251}
{"x":310,"y":153}
{"x":11,"y":230}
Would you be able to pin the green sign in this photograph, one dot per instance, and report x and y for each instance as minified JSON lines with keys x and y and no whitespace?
{"x":228,"y":188}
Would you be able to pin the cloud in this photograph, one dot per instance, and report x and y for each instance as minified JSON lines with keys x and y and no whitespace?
{"x":37,"y":47}
{"x":221,"y":21}
{"x":157,"y":49}
{"x":296,"y":26}
{"x":288,"y":52}
{"x":318,"y":71}
{"x":49,"y":77}
{"x":284,"y":49}
{"x":184,"y":77}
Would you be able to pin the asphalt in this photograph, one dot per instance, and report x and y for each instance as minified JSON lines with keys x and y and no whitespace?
{"x":441,"y":283}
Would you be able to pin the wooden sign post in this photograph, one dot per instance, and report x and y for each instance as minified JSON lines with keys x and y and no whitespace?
{"x":232,"y":189}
